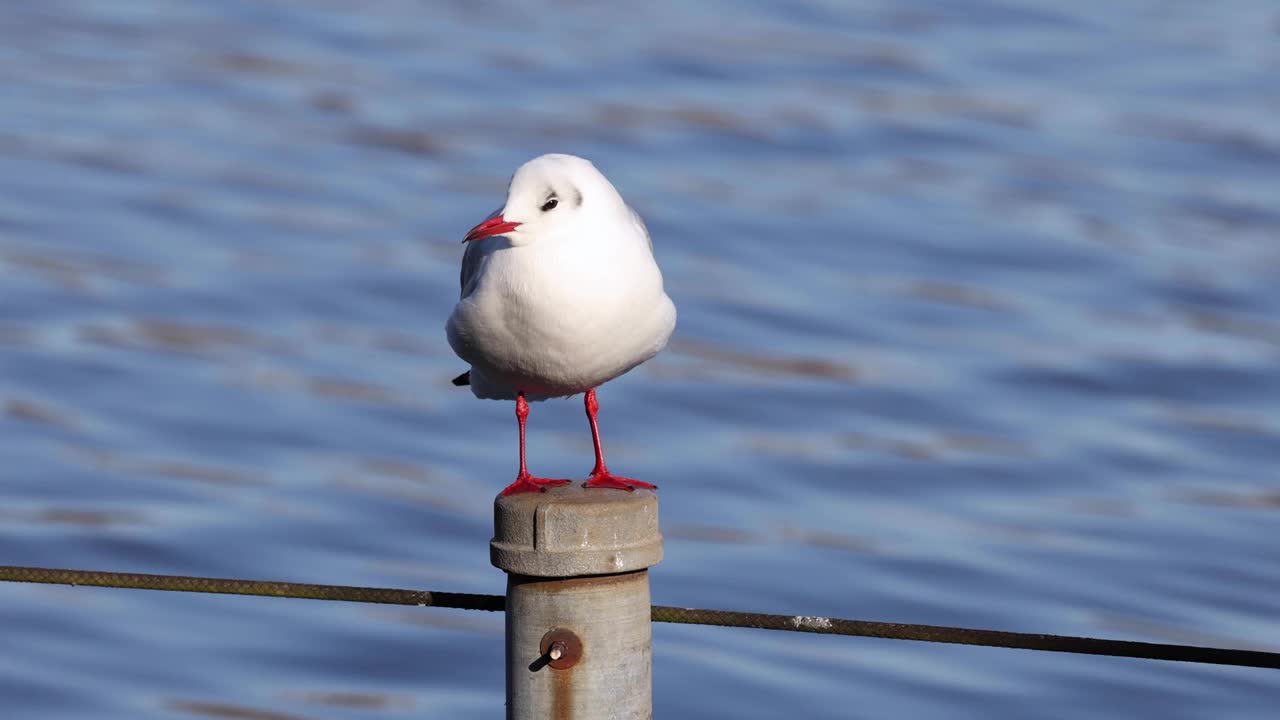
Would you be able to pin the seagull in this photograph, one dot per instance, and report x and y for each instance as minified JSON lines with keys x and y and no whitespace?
{"x":560,"y":294}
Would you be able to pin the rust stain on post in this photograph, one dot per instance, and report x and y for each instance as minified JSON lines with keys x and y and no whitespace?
{"x":562,"y":694}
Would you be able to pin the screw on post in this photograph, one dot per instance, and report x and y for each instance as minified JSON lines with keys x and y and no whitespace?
{"x":561,"y":648}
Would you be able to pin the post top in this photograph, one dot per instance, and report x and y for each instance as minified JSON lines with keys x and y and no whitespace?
{"x":572,"y":531}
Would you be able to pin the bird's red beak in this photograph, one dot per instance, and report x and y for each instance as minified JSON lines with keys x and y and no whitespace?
{"x":495,"y":225}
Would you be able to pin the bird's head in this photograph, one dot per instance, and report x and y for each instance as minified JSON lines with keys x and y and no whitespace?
{"x":547,"y":196}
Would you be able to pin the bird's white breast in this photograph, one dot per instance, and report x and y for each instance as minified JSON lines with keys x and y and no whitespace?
{"x":555,"y":317}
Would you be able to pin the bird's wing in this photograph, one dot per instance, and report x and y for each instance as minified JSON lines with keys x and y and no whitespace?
{"x":473,"y":259}
{"x":639,"y":223}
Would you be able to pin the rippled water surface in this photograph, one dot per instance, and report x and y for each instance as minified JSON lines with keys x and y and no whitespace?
{"x":980,"y":325}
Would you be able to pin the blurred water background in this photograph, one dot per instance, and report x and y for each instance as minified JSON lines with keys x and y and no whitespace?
{"x":980,"y":325}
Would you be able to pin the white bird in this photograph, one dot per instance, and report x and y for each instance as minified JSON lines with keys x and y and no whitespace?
{"x":560,"y":294}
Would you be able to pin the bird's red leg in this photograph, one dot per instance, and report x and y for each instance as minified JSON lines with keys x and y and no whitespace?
{"x":524,"y":481}
{"x":600,"y":475}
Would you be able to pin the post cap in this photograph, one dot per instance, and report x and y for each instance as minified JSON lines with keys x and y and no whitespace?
{"x":572,"y":531}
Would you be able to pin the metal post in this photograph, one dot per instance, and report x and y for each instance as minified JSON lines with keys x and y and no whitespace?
{"x":578,"y":631}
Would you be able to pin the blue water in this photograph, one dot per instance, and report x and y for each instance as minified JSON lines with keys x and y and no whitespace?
{"x":979,"y":325}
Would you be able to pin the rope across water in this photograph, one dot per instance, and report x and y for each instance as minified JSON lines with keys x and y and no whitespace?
{"x":688,"y":616}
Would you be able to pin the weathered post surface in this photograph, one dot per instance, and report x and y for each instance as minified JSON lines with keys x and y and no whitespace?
{"x":578,"y":630}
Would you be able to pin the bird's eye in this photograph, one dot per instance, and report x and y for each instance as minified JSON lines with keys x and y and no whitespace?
{"x":550,"y":204}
